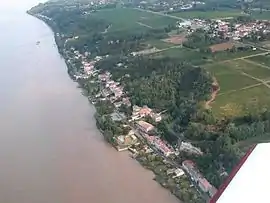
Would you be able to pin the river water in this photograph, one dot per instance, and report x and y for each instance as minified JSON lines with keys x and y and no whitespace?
{"x":50,"y":149}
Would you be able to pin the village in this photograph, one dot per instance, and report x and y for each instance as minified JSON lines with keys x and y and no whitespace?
{"x":141,"y":82}
{"x":142,"y":137}
{"x":233,"y":33}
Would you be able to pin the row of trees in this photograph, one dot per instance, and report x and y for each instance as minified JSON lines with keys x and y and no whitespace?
{"x":200,"y":39}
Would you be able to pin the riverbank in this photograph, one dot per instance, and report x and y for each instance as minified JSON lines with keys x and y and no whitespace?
{"x":165,"y":176}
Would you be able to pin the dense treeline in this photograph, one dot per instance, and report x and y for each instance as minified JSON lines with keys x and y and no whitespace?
{"x":160,"y":83}
{"x":104,"y":122}
{"x":221,"y":142}
{"x":201,"y":39}
{"x":163,"y":83}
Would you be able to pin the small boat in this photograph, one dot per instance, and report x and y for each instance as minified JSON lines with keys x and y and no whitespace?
{"x":38,"y":42}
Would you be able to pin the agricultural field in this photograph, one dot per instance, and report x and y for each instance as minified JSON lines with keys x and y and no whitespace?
{"x":243,"y":85}
{"x":208,"y":14}
{"x":264,"y":60}
{"x":130,"y":19}
{"x":159,"y":44}
{"x":265,"y":44}
{"x":199,"y":58}
{"x":183,"y":54}
{"x":251,"y":68}
{"x":228,"y":77}
{"x":242,"y":102}
{"x":227,"y":55}
{"x":265,"y":15}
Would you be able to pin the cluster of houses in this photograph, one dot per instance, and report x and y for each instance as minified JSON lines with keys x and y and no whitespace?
{"x":192,"y":24}
{"x":88,"y":67}
{"x":124,"y":141}
{"x":159,"y":144}
{"x":155,"y":141}
{"x":113,"y":91}
{"x":235,"y":31}
{"x":169,"y":6}
{"x":238,"y":31}
{"x":141,"y":112}
{"x":189,"y":148}
{"x":191,"y":168}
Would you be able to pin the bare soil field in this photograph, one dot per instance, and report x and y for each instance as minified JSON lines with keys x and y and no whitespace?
{"x":175,"y":39}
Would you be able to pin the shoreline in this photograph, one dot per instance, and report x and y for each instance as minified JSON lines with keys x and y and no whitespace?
{"x":161,"y":179}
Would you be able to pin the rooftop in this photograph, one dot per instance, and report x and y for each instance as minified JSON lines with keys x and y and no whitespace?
{"x":145,"y":125}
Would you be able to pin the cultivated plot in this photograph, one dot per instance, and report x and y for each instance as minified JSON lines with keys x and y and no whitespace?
{"x":265,"y":15}
{"x":264,"y":60}
{"x":159,"y":44}
{"x":229,"y":78}
{"x":251,"y":68}
{"x":242,"y":102}
{"x":131,"y":19}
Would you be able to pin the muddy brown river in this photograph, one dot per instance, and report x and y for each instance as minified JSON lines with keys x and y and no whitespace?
{"x":50,"y":149}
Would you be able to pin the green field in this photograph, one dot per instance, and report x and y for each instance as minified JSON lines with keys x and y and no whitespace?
{"x":264,"y":60}
{"x":183,"y":54}
{"x":251,"y":69}
{"x":229,"y":78}
{"x":242,"y":102}
{"x":131,"y":19}
{"x":208,"y":14}
{"x":179,"y":53}
{"x":265,"y":15}
{"x":159,"y":44}
{"x":240,"y":93}
{"x":227,"y":55}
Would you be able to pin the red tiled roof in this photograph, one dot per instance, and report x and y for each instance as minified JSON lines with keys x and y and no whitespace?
{"x":205,"y":183}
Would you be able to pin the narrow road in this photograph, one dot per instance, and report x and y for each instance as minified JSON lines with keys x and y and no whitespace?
{"x":255,"y":63}
{"x":144,"y":25}
{"x":162,"y":14}
{"x":257,"y":79}
{"x":165,"y":49}
{"x":256,"y":45}
{"x":213,"y":94}
{"x":244,"y":88}
{"x":239,"y":58}
{"x":245,"y":57}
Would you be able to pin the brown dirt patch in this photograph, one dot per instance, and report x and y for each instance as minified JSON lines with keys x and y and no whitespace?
{"x":222,"y":46}
{"x":215,"y":90}
{"x":175,"y":39}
